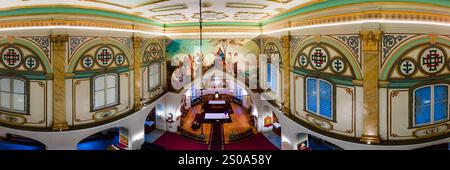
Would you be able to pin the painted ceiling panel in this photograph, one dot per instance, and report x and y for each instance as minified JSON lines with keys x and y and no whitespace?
{"x":176,"y":11}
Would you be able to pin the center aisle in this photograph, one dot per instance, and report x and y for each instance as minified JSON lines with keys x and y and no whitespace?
{"x":216,"y":142}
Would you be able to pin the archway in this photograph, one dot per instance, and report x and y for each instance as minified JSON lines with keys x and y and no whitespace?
{"x":17,"y":142}
{"x":109,"y":139}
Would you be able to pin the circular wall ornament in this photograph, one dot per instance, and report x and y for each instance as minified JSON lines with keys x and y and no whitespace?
{"x":11,"y":57}
{"x":303,"y":60}
{"x":88,"y":62}
{"x":31,"y":63}
{"x":319,"y":58}
{"x":338,"y":65}
{"x":104,"y":56}
{"x":153,"y":51}
{"x":120,"y":59}
{"x":432,"y":60}
{"x":407,"y":67}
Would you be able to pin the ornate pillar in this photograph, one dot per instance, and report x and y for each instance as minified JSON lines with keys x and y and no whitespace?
{"x":59,"y":83}
{"x":371,"y":54}
{"x":286,"y":41}
{"x":137,"y":46}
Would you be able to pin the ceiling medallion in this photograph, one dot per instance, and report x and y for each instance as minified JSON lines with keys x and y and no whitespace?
{"x":250,"y":15}
{"x":170,"y":17}
{"x":210,"y":15}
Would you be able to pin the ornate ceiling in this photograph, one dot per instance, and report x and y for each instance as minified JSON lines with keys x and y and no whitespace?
{"x":176,"y":11}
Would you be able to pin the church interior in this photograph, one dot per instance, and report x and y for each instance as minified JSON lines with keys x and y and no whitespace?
{"x":224,"y":75}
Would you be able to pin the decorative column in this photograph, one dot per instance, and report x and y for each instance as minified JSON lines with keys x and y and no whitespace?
{"x":371,"y":53}
{"x":286,"y":44}
{"x":137,"y":45}
{"x":59,"y":83}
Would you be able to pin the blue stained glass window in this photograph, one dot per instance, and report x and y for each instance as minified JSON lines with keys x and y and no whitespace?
{"x":311,"y":89}
{"x":325,"y":99}
{"x":430,"y":104}
{"x":423,"y":105}
{"x":319,"y":97}
{"x":440,"y":102}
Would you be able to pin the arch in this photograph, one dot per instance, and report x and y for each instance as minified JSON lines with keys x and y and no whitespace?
{"x":277,"y":44}
{"x":32,"y":47}
{"x":93,"y":43}
{"x":347,"y":54}
{"x":232,"y":78}
{"x":102,"y":138}
{"x":386,"y":69}
{"x":20,"y":142}
{"x":150,"y":41}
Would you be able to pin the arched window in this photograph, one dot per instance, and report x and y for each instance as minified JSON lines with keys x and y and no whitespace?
{"x":272,"y":77}
{"x":105,"y":91}
{"x":13,"y":95}
{"x":319,"y":97}
{"x":430,"y":104}
{"x":154,"y":75}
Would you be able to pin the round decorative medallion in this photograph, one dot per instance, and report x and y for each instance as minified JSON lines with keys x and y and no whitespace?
{"x":407,"y":67}
{"x":104,"y":56}
{"x":303,"y":60}
{"x":31,"y":63}
{"x":338,"y":65}
{"x":319,"y":58}
{"x":88,"y":62}
{"x":11,"y":57}
{"x":432,"y":60}
{"x":120,"y":59}
{"x":153,"y":51}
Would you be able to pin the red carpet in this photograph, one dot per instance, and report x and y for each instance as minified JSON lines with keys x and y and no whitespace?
{"x":172,"y":141}
{"x":256,"y":142}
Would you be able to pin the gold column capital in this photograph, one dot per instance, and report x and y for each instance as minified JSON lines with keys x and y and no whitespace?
{"x":59,"y":41}
{"x":286,"y":40}
{"x":371,"y":39}
{"x":137,"y":42}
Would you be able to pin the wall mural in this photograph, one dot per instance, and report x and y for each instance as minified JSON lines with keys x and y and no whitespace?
{"x":226,"y":52}
{"x":20,"y":58}
{"x":422,"y":61}
{"x":102,"y":57}
{"x":318,"y":58}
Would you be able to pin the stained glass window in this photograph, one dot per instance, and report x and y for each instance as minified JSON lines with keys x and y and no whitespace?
{"x":105,"y":91}
{"x":430,"y":104}
{"x":13,"y":95}
{"x":319,"y":97}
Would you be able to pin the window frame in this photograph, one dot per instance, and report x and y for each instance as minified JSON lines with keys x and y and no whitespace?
{"x":150,"y":89}
{"x":333,"y":98}
{"x":92,"y":91}
{"x":412,"y":115}
{"x":26,"y":95}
